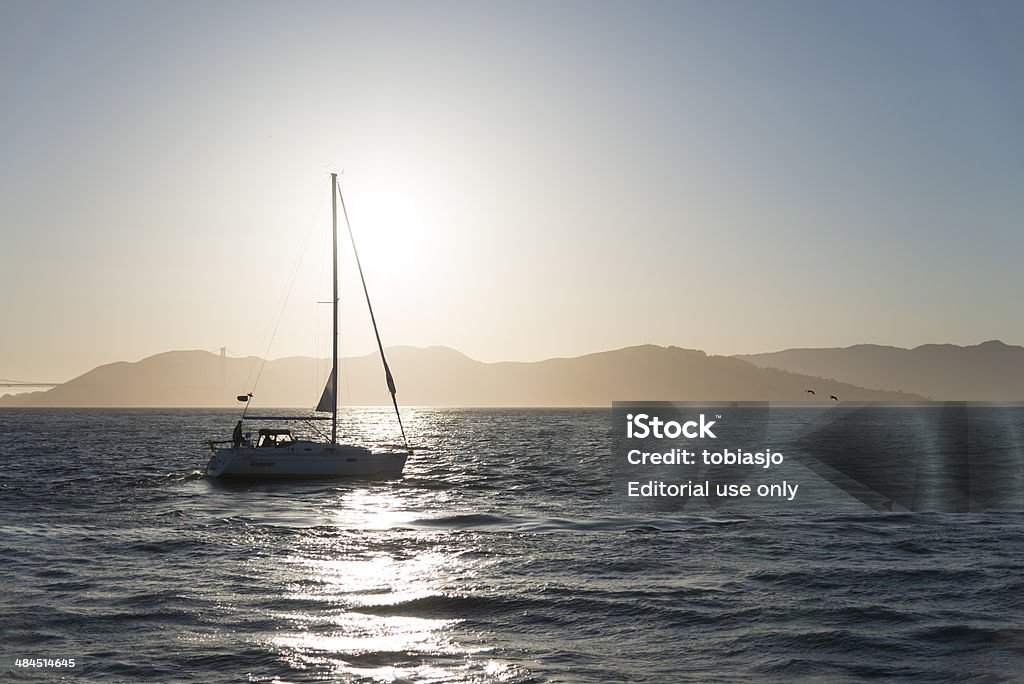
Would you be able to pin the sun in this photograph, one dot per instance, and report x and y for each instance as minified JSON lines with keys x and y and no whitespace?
{"x":390,"y":225}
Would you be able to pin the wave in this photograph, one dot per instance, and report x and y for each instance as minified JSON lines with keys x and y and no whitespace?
{"x":582,"y":525}
{"x":168,"y":479}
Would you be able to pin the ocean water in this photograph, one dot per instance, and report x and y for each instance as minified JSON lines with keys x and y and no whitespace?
{"x":501,"y":556}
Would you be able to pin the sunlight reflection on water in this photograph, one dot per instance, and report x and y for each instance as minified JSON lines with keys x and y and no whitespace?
{"x":351,"y":596}
{"x":371,"y":510}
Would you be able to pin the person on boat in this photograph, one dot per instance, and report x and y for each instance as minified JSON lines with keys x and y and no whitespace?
{"x":237,"y":436}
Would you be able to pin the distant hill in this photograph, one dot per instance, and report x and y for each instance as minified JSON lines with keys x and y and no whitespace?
{"x":991,"y":371}
{"x":438,"y":376}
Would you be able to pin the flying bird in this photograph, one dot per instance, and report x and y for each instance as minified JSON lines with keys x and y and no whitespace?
{"x":809,"y":391}
{"x":832,"y":396}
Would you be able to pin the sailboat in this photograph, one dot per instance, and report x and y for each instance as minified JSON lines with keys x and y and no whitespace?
{"x":276,"y":453}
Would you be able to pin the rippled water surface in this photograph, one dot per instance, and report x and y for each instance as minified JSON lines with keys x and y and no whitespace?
{"x":500,"y":556}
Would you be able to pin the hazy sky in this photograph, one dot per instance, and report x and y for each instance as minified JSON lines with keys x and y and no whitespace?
{"x":526,"y":179}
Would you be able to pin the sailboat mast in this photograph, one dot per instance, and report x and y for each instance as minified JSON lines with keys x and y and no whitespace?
{"x":334,"y":318}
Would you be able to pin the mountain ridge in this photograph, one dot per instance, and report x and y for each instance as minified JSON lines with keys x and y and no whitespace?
{"x":440,"y":376}
{"x":988,"y":371}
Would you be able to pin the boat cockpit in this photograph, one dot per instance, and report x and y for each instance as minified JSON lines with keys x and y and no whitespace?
{"x":275,"y":439}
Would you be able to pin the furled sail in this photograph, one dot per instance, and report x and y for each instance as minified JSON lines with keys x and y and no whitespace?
{"x":327,"y":401}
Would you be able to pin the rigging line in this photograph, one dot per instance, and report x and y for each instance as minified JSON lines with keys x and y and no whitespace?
{"x":376,"y":332}
{"x":283,"y":304}
{"x":313,"y":427}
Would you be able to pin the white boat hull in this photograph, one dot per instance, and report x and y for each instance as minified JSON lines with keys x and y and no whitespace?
{"x":305,"y":459}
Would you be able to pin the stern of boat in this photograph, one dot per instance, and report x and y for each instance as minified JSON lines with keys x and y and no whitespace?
{"x":220,"y":461}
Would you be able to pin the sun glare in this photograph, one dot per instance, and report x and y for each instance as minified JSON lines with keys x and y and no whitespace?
{"x":390,"y":226}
